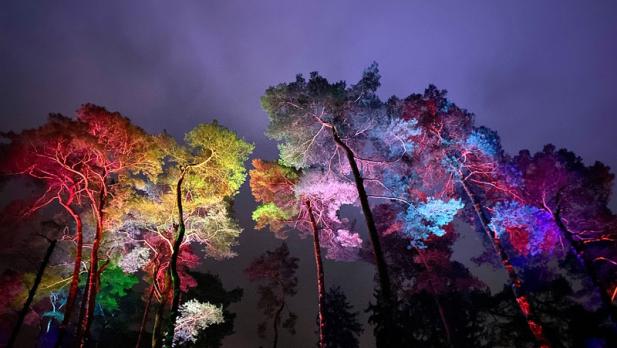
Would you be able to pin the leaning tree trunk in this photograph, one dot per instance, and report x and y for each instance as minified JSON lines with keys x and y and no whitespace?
{"x":382,"y":269}
{"x":37,"y":280}
{"x":321,"y":288}
{"x":173,"y":269}
{"x":517,"y":284}
{"x":74,"y":287}
{"x":93,"y":276}
{"x":389,"y":337}
{"x":579,"y":252}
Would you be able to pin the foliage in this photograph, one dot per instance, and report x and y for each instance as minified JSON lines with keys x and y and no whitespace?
{"x":194,"y":317}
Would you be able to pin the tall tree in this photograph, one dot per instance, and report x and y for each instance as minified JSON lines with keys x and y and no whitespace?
{"x":319,"y":123}
{"x":344,"y":328}
{"x":307,"y":202}
{"x":206,"y":174}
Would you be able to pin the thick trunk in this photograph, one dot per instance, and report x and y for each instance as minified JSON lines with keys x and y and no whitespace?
{"x":173,"y":269}
{"x":277,"y":319}
{"x":382,"y":269}
{"x":321,"y":288}
{"x":93,"y":276}
{"x":74,"y":287}
{"x":144,"y":318}
{"x":388,"y":337}
{"x":37,"y":280}
{"x":517,"y":285}
{"x":579,"y":253}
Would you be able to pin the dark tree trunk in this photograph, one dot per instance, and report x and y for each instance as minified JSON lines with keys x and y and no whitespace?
{"x":93,"y":276}
{"x":158,"y":321}
{"x":321,"y":288}
{"x":144,"y":318}
{"x":277,"y":319}
{"x":389,"y":336}
{"x":26,"y":308}
{"x":579,"y":253}
{"x":442,"y":314}
{"x":74,"y":287}
{"x":173,"y":269}
{"x":517,"y":284}
{"x":382,"y":269}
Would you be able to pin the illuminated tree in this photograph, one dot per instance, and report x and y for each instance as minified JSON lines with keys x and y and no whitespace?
{"x":276,"y":272}
{"x":307,"y":202}
{"x":574,"y":197}
{"x":199,"y":181}
{"x":454,"y":160}
{"x":55,"y":155}
{"x":324,"y":125}
{"x":194,"y":317}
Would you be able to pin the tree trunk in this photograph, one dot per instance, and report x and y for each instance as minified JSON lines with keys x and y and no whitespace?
{"x":321,"y":288}
{"x":74,"y":287}
{"x":579,"y":252}
{"x":144,"y":318}
{"x":442,"y":314}
{"x":388,"y":336}
{"x":26,"y":308}
{"x":277,"y":319}
{"x":517,"y":285}
{"x":382,"y":269}
{"x":173,"y":269}
{"x":93,"y":276}
{"x":158,"y":320}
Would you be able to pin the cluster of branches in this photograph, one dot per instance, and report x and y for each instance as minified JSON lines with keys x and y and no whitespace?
{"x":418,"y":168}
{"x":129,"y":203}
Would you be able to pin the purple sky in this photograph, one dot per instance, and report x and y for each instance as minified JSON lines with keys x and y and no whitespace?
{"x":535,"y":71}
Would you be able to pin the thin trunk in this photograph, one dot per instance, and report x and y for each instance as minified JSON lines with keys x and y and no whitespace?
{"x":321,"y":288}
{"x":382,"y":269}
{"x":442,"y":314}
{"x":144,"y":318}
{"x":37,"y":280}
{"x":579,"y":253}
{"x":93,"y":276}
{"x":156,"y":328}
{"x":517,"y":285}
{"x":74,"y":287}
{"x":277,"y":319}
{"x":173,"y":268}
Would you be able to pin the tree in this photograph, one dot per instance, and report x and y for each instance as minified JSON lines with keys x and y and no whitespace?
{"x":317,"y":124}
{"x":575,"y":197}
{"x":455,"y":159}
{"x":309,"y":202}
{"x":210,"y":170}
{"x":276,"y":272}
{"x":343,"y":326}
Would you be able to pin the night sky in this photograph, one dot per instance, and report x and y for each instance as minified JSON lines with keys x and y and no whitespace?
{"x":536,"y":71}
